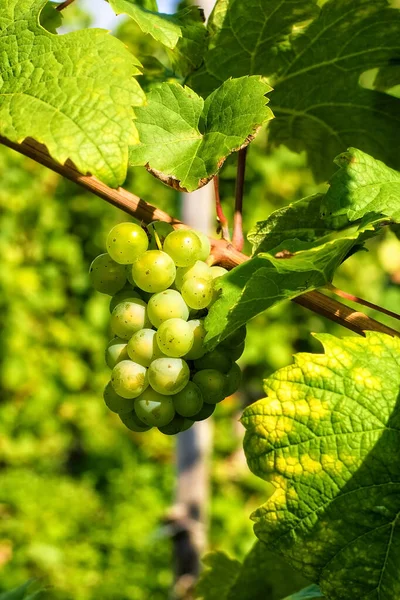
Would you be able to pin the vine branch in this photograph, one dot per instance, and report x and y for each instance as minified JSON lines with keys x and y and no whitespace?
{"x":221,"y":218}
{"x":237,"y":236}
{"x":63,"y":5}
{"x":358,"y":300}
{"x":222,"y":252}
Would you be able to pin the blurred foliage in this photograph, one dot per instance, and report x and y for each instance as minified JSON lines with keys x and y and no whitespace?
{"x":82,"y":499}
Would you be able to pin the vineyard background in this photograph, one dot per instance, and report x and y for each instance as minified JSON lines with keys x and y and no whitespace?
{"x":82,"y":499}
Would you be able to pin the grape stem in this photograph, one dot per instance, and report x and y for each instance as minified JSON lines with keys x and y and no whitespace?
{"x":223,"y":252}
{"x":237,"y":237}
{"x":358,"y":300}
{"x":63,"y":5}
{"x":221,"y":218}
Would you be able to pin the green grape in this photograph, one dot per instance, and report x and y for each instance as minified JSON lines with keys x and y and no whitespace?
{"x":107,"y":276}
{"x":126,"y":242}
{"x":126,"y":294}
{"x":234,"y":378}
{"x":236,"y":338}
{"x":154,"y":409}
{"x":183,"y":246}
{"x":116,"y":403}
{"x":205,"y":412}
{"x":128,"y":271}
{"x":205,"y":245}
{"x":162,"y":229}
{"x":199,"y":269}
{"x":216,"y":359}
{"x":175,"y":337}
{"x":212,"y":384}
{"x":187,"y":423}
{"x":115,"y":352}
{"x":166,"y":305}
{"x":168,"y":375}
{"x":188,"y":401}
{"x":129,"y":379}
{"x":199,"y":333}
{"x":236,"y":352}
{"x":142,"y":348}
{"x":154,"y":271}
{"x":174,"y":426}
{"x":129,"y":317}
{"x":217,"y":272}
{"x":197,"y":293}
{"x":132,"y":422}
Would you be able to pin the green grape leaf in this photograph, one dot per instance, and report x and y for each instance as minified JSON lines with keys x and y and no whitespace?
{"x":362,"y":185}
{"x":295,"y":266}
{"x":183,"y":34}
{"x":161,"y":27}
{"x":314,"y":68}
{"x":327,"y":439}
{"x":217,"y":577}
{"x":74,"y":93}
{"x":299,"y":221}
{"x":184,"y":140}
{"x":310,"y":592}
{"x":261,"y":575}
{"x":21,"y":593}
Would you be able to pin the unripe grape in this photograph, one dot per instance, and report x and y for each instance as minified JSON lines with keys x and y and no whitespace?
{"x":197,"y":293}
{"x":129,"y":379}
{"x":183,"y":246}
{"x":216,"y":359}
{"x":132,"y":422}
{"x":188,"y":401}
{"x":175,"y":337}
{"x":212,"y":384}
{"x":126,"y":242}
{"x":166,"y":305}
{"x":107,"y":276}
{"x":199,"y":269}
{"x":143,"y":348}
{"x":236,"y":338}
{"x":199,"y":333}
{"x":205,"y":412}
{"x":234,"y":378}
{"x":236,"y":352}
{"x":154,"y":271}
{"x":154,"y":408}
{"x":129,"y":317}
{"x":175,"y":426}
{"x":125,"y":294}
{"x":205,"y":245}
{"x":115,"y":402}
{"x":115,"y":352}
{"x":217,"y":272}
{"x":168,"y":375}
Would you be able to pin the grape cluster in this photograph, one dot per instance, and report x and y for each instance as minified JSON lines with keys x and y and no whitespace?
{"x":161,"y":289}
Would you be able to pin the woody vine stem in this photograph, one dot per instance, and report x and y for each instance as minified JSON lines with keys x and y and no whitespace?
{"x":222,"y":251}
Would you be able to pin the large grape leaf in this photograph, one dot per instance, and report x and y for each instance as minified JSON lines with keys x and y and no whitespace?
{"x":262,"y":575}
{"x":298,"y":221}
{"x":184,"y":140}
{"x":312,"y":591}
{"x":183,"y":33}
{"x":314,"y":69}
{"x":327,"y":438}
{"x":294,"y":266}
{"x":74,"y":92}
{"x":362,"y":185}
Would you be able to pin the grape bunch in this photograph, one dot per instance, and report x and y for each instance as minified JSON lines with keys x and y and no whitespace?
{"x":161,"y":290}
